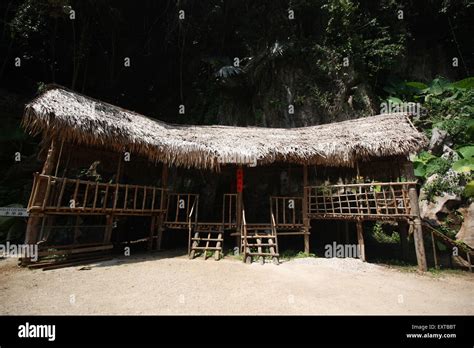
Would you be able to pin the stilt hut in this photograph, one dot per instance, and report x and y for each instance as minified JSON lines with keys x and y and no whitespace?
{"x":111,"y":175}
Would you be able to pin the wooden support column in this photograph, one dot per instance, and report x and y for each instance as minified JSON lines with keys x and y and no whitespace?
{"x":109,"y":224}
{"x":160,"y":220}
{"x":403,"y":232}
{"x":434,"y":250}
{"x":34,"y":221}
{"x":110,"y":218}
{"x":306,"y":220}
{"x":239,"y":208}
{"x":360,"y":239}
{"x":152,"y":232}
{"x":417,"y":230}
{"x":51,"y":158}
{"x":415,"y":212}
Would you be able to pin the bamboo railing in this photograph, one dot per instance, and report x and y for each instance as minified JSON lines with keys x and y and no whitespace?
{"x":287,"y":211}
{"x":54,"y":195}
{"x":178,"y":208}
{"x":229,"y":210}
{"x":368,"y":200}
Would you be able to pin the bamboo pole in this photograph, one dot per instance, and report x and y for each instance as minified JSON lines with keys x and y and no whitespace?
{"x":435,"y":257}
{"x":34,"y":221}
{"x":417,"y":227}
{"x":403,"y":232}
{"x":360,"y":238}
{"x":239,"y":207}
{"x":164,"y":186}
{"x":306,"y":220}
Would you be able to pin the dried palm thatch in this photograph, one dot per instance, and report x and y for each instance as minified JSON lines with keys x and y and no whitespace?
{"x":72,"y":117}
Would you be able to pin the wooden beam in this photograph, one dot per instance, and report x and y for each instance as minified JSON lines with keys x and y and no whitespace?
{"x":108,"y":228}
{"x":59,"y":158}
{"x":434,"y":250}
{"x":34,"y":222}
{"x":403,"y":232}
{"x":152,"y":233}
{"x":51,"y":158}
{"x":415,"y":212}
{"x":164,"y":186}
{"x":239,"y":208}
{"x":306,"y":220}
{"x":360,"y":238}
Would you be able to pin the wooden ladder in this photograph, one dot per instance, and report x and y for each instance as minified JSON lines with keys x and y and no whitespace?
{"x":259,"y":241}
{"x":206,"y":237}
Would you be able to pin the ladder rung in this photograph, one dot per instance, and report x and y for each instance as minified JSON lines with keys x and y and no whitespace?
{"x":262,"y":254}
{"x":209,"y":239}
{"x":260,"y":245}
{"x":260,"y":236}
{"x":206,"y":248}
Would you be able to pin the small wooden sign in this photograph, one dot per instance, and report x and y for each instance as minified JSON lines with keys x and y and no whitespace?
{"x":13,"y":211}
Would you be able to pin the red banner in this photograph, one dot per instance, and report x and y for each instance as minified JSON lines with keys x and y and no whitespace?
{"x":240,"y":179}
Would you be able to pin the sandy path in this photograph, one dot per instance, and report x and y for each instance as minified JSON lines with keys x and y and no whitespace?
{"x":169,"y":284}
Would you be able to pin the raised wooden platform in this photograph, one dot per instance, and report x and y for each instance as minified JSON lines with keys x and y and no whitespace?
{"x":53,"y":195}
{"x":368,"y":201}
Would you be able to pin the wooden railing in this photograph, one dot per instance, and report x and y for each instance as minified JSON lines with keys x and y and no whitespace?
{"x":287,"y":211}
{"x":192,"y":222}
{"x":229,"y":210}
{"x":55,"y":195}
{"x":179,"y":206}
{"x":370,"y":200}
{"x":243,"y":233}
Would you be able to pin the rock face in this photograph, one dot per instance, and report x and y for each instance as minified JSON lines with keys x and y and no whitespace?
{"x":442,"y":205}
{"x":466,"y":233}
{"x":438,"y":139}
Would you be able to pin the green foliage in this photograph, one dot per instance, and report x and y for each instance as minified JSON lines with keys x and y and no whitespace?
{"x":380,"y":236}
{"x":469,"y":189}
{"x":426,"y":164}
{"x":449,"y":107}
{"x":466,"y":151}
{"x":466,"y":163}
{"x":451,"y":182}
{"x":465,"y":84}
{"x":292,"y":254}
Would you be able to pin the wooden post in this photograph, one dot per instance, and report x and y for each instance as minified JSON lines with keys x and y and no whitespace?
{"x":360,"y":238}
{"x":34,"y":221}
{"x":76,"y":229}
{"x":415,"y":212}
{"x":151,"y":235}
{"x":434,"y":250}
{"x":468,"y":261}
{"x":51,"y":158}
{"x":346,"y":232}
{"x":403,"y":232}
{"x":108,"y":228}
{"x":239,"y":208}
{"x":164,"y":186}
{"x":118,"y":175}
{"x":417,"y":230}
{"x":59,"y":158}
{"x":306,"y":220}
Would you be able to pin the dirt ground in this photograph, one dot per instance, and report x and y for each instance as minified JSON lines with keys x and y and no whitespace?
{"x":169,"y":283}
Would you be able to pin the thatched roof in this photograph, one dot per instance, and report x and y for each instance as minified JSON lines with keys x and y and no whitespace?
{"x":72,"y":117}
